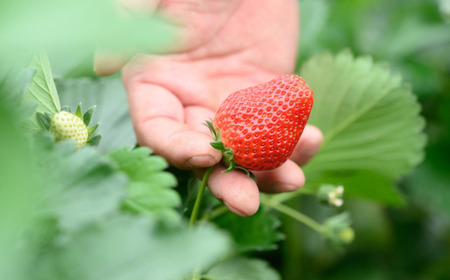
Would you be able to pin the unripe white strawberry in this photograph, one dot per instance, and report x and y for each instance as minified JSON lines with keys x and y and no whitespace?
{"x":67,"y":126}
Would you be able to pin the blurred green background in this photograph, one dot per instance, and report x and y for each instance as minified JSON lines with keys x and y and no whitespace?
{"x":412,"y":242}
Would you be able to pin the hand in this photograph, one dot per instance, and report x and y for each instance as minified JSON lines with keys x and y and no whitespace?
{"x":225,"y":45}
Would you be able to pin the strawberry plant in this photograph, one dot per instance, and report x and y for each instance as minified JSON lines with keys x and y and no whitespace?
{"x":117,"y":211}
{"x":123,"y":192}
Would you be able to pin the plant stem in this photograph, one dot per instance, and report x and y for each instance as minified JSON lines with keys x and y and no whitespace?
{"x":282,"y":197}
{"x":198,"y":199}
{"x":294,"y":214}
{"x":215,"y":213}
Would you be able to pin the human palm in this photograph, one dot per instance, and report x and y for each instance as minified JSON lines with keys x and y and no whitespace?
{"x":224,"y":46}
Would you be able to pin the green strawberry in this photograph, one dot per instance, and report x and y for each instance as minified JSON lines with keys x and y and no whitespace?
{"x":67,"y":126}
{"x":258,"y":128}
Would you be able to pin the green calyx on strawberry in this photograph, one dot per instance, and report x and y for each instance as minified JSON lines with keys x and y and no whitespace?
{"x":257,"y":128}
{"x":67,"y":126}
{"x":227,"y":153}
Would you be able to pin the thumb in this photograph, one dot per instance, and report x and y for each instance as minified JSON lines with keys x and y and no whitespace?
{"x":107,"y":63}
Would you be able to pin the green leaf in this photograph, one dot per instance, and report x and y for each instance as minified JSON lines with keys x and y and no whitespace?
{"x":153,"y":198}
{"x":82,"y":186}
{"x":369,"y":119}
{"x":214,"y":131}
{"x":94,"y":141}
{"x":26,"y":25}
{"x":218,"y":146}
{"x":88,"y":115}
{"x":78,"y":112}
{"x":124,"y":247}
{"x":42,"y":91}
{"x":20,"y":188}
{"x":92,"y":129}
{"x":66,"y":108}
{"x":258,"y":232}
{"x":139,"y":165}
{"x":112,"y":112}
{"x":44,"y":120}
{"x":15,"y":78}
{"x":150,"y":189}
{"x":243,"y":269}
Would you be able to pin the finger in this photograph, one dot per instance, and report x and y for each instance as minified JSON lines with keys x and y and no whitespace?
{"x":286,"y":178}
{"x":238,"y":192}
{"x":196,"y":21}
{"x":196,"y":117}
{"x":181,"y":146}
{"x":308,"y":145}
{"x":108,"y":63}
{"x":158,"y":117}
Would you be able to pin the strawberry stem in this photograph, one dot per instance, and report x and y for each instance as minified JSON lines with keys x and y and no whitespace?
{"x":198,"y":199}
{"x":296,"y":215}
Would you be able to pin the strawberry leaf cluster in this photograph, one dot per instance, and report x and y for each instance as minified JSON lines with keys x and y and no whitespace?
{"x":74,"y":205}
{"x":373,"y":131}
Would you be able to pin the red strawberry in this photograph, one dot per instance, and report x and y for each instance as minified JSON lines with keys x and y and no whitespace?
{"x":257,"y":128}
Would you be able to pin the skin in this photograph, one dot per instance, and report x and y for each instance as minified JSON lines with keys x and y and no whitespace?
{"x":224,"y":46}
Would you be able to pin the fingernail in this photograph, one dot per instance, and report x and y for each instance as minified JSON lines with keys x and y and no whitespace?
{"x":234,"y":210}
{"x":201,"y":161}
